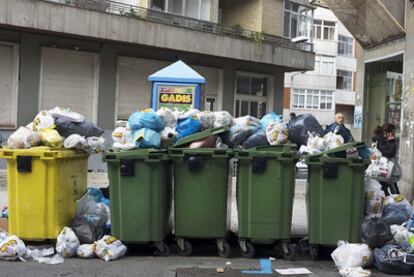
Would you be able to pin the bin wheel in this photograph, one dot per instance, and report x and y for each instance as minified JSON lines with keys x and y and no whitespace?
{"x":314,"y":252}
{"x":250,"y":251}
{"x":286,"y":250}
{"x":226,"y":250}
{"x":291,"y":253}
{"x":163,"y":251}
{"x":187,"y":251}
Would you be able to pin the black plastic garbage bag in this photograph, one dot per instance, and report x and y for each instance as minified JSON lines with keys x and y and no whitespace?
{"x":258,"y":138}
{"x":375,"y":233}
{"x":66,"y":128}
{"x":392,"y":259}
{"x":86,"y":230}
{"x":300,"y":125}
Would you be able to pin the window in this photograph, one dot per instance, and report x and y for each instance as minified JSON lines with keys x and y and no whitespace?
{"x":199,"y":9}
{"x":345,"y":46}
{"x":312,"y":99}
{"x":324,"y":29}
{"x":298,"y":20}
{"x":344,"y":79}
{"x":324,"y":65}
{"x":251,"y":96}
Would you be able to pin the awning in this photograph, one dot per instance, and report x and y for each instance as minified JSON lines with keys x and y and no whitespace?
{"x":369,"y":21}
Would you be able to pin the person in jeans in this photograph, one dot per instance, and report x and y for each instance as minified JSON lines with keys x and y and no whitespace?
{"x":384,"y":137}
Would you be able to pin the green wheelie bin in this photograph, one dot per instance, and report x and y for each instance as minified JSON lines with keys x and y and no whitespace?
{"x":140,"y":184}
{"x":265,"y":193}
{"x":335,"y":197}
{"x":200,"y":193}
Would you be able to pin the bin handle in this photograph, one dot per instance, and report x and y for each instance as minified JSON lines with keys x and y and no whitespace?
{"x":219,"y":154}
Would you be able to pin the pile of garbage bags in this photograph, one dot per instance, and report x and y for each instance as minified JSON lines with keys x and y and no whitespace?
{"x":59,"y":128}
{"x":387,"y":235}
{"x":162,"y":128}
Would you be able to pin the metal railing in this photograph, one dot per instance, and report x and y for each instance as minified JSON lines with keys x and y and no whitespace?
{"x":114,"y":7}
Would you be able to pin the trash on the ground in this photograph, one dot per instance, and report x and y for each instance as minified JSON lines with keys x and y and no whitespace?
{"x":265,"y":268}
{"x":397,"y":209}
{"x":220,"y":270}
{"x":67,"y":243}
{"x":55,"y":259}
{"x":228,"y":263}
{"x":375,"y":233}
{"x":5,"y":212}
{"x":109,"y":248}
{"x":294,"y":271}
{"x":392,"y":259}
{"x":12,"y":248}
{"x":92,"y":214}
{"x":374,"y":198}
{"x":399,"y":233}
{"x":351,"y":255}
{"x":23,"y":138}
{"x":86,"y":251}
{"x":354,"y":272}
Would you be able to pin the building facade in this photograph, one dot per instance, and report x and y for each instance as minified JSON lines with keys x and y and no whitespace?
{"x":385,"y":71}
{"x":95,"y":56}
{"x":329,"y":88}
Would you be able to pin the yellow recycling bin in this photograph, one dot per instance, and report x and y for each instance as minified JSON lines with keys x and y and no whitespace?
{"x":43,"y":187}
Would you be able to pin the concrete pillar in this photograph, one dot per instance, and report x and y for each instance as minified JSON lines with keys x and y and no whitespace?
{"x":279,"y":83}
{"x":229,"y":77}
{"x":107,"y":87}
{"x":28,"y":102}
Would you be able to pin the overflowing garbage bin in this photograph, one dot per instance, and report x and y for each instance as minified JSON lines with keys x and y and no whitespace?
{"x":43,"y":187}
{"x":265,"y":193}
{"x":200,"y":193}
{"x":140,"y":183}
{"x":335,"y":196}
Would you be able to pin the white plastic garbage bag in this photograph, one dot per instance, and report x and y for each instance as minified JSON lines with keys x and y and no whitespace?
{"x":67,"y":243}
{"x":400,"y":233}
{"x":75,"y":141}
{"x":354,"y":272}
{"x":167,"y":116}
{"x":374,"y":198}
{"x":67,"y":113}
{"x":332,"y":140}
{"x":110,"y":248}
{"x":352,"y":255}
{"x":86,"y":251}
{"x":96,"y":144}
{"x":55,"y":259}
{"x":43,"y":120}
{"x":12,"y":248}
{"x":23,"y":138}
{"x":277,"y":133}
{"x":122,"y":135}
{"x":206,"y":119}
{"x":222,"y":119}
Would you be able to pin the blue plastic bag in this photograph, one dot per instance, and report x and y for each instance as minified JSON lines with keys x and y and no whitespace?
{"x":146,"y":119}
{"x":147,"y":138}
{"x":396,"y":213}
{"x":188,"y":126}
{"x":269,"y":118}
{"x":258,"y":138}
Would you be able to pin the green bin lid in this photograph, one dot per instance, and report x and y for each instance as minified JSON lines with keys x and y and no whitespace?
{"x":136,"y":154}
{"x":199,"y":136}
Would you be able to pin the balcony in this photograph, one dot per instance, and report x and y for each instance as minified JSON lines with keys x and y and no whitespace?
{"x":344,"y":97}
{"x":140,"y":13}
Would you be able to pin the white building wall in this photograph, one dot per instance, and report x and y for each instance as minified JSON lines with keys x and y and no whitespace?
{"x":315,"y":80}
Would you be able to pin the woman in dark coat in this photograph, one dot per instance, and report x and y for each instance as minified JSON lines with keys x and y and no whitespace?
{"x":384,"y":137}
